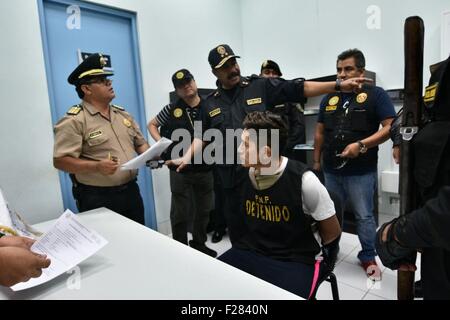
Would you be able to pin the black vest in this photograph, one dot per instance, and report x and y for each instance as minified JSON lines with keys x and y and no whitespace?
{"x":431,"y":147}
{"x":277,"y":226}
{"x":431,"y":144}
{"x":345,"y":125}
{"x":179,"y":118}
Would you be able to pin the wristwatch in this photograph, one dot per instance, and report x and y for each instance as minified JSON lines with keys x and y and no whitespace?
{"x":337,"y":86}
{"x":362,"y":147}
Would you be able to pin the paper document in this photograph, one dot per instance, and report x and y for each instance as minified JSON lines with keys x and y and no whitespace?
{"x":152,"y":153}
{"x":66,"y":244}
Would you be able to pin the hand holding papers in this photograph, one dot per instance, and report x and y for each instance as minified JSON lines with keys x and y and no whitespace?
{"x":66,"y":244}
{"x":152,"y":153}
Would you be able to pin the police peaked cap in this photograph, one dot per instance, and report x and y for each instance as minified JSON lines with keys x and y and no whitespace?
{"x":270,"y":64}
{"x":90,"y":67}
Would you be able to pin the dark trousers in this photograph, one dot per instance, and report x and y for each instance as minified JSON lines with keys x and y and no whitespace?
{"x":218,"y":216}
{"x":295,"y":277}
{"x":125,"y":200}
{"x":233,"y":209}
{"x":202,"y":186}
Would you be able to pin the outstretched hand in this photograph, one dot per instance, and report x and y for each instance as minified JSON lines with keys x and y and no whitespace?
{"x":354,"y":84}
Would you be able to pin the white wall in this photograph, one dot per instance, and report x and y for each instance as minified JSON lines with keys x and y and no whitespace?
{"x":27,"y":177}
{"x":172,"y":34}
{"x":306,"y":36}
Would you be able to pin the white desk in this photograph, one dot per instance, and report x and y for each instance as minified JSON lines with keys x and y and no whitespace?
{"x":139,"y":263}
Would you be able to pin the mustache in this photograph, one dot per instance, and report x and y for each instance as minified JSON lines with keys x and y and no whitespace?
{"x":233,"y":74}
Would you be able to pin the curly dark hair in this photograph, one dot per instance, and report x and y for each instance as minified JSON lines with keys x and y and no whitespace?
{"x":269,"y":121}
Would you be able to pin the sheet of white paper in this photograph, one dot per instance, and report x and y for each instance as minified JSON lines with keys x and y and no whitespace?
{"x":152,"y":153}
{"x":66,"y":244}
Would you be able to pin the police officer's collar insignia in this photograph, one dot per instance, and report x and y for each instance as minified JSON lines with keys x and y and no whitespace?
{"x":215,"y":112}
{"x":127,"y":123}
{"x":361,"y":98}
{"x":178,"y":112}
{"x":95,"y":134}
{"x":333,"y":101}
{"x":179,"y":75}
{"x":251,"y":102}
{"x":118,"y":107}
{"x":73,"y":111}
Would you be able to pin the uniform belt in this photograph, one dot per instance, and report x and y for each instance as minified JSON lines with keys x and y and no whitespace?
{"x":122,"y":187}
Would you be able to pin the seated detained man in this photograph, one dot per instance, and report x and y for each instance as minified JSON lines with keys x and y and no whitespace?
{"x":281,"y":200}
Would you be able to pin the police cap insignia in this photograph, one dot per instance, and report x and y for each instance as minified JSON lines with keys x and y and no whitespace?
{"x":221,"y":50}
{"x":180,"y":75}
{"x":102,"y":61}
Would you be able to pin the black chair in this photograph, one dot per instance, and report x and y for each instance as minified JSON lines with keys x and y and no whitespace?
{"x":330,"y":276}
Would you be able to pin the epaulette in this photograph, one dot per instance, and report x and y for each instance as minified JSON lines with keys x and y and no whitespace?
{"x":118,"y":107}
{"x":245,"y":81}
{"x":214,"y":94}
{"x":74,"y":110}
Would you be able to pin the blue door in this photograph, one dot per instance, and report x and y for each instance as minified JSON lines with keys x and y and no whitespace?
{"x":70,"y":28}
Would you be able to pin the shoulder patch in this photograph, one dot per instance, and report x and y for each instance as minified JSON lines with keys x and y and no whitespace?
{"x":118,"y":107}
{"x":74,"y":110}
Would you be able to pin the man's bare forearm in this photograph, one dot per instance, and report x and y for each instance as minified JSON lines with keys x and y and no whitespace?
{"x":75,"y":165}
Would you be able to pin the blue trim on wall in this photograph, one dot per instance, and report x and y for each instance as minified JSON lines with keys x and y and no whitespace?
{"x":150,"y":203}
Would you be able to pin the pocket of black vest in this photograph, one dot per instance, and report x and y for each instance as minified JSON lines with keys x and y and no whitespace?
{"x":328,"y":120}
{"x":359,"y":120}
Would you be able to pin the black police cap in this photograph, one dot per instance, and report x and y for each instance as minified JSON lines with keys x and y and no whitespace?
{"x":270,"y":64}
{"x":91,"y":66}
{"x":181,"y":77}
{"x":219,"y":55}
